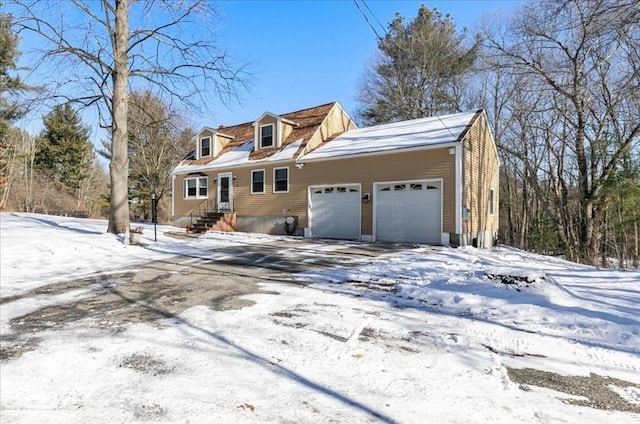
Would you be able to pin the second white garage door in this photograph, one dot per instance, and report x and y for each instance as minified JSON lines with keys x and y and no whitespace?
{"x":409,"y":212}
{"x":335,"y":212}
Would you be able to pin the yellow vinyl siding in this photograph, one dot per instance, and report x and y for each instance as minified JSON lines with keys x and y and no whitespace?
{"x":266,"y":120}
{"x":287,"y":129}
{"x":480,"y":174}
{"x":205,"y":134}
{"x":220,"y":141}
{"x":183,"y":206}
{"x":415,"y":165}
{"x":245,"y":203}
{"x":268,"y":203}
{"x":336,"y":122}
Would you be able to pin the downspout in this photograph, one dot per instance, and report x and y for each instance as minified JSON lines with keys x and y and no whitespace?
{"x":497,"y":207}
{"x":173,"y":195}
{"x":465,"y":207}
{"x":459,"y":189}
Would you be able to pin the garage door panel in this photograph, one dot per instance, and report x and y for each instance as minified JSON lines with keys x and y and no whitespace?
{"x":335,"y":212}
{"x":409,"y":212}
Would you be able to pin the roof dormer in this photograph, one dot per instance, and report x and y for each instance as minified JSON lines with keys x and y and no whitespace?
{"x":271,"y":130}
{"x":210,"y":142}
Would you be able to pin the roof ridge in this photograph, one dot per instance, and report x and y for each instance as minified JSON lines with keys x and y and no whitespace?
{"x":435,"y":117}
{"x":309,"y":108}
{"x":282,"y":114}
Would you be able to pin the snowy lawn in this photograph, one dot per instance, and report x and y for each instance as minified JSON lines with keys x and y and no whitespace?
{"x":415,"y":336}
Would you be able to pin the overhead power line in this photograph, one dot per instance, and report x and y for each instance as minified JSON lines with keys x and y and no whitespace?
{"x":384,"y":28}
{"x":364,"y":15}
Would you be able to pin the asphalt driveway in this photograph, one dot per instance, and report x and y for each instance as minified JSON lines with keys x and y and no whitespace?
{"x":165,"y":288}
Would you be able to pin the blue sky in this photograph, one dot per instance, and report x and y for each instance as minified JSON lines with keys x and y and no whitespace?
{"x":303,"y":53}
{"x":313,"y":52}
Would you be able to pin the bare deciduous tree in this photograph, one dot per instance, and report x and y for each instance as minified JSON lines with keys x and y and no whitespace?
{"x":97,"y":50}
{"x":158,"y":140}
{"x":576,"y":67}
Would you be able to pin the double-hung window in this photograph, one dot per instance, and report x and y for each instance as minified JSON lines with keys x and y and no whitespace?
{"x":195,"y":188}
{"x":257,"y":181}
{"x":280,"y":180}
{"x":266,"y":136}
{"x":205,"y":147}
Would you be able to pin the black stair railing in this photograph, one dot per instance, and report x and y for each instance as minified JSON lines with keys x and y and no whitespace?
{"x":202,"y":208}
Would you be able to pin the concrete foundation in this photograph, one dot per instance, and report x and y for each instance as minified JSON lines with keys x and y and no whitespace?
{"x":267,"y":224}
{"x":482,"y":239}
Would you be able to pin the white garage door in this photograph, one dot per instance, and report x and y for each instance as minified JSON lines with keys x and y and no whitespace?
{"x":335,"y":212}
{"x":409,"y":212}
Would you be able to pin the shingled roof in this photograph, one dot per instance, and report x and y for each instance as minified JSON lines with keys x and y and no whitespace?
{"x":241,"y":145}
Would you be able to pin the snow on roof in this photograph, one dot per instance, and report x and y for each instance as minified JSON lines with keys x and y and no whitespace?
{"x":239,"y":156}
{"x":395,"y":136}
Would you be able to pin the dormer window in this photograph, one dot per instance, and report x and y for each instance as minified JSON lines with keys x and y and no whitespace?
{"x":271,"y":131}
{"x":205,"y":147}
{"x":266,"y":136}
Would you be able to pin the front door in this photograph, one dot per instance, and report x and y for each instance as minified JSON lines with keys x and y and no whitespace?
{"x":225,"y":192}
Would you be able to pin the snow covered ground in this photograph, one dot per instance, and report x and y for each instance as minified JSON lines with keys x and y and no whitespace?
{"x":414,"y":336}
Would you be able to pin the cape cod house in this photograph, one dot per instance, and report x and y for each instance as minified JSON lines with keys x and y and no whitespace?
{"x":313,"y":173}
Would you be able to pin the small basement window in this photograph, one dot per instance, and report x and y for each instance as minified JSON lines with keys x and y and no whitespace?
{"x":266,"y":136}
{"x":280,"y":180}
{"x":195,"y":188}
{"x":257,"y":181}
{"x":205,"y":147}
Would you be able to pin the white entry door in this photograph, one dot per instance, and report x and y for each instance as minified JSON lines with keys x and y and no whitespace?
{"x":334,"y":212}
{"x":225,"y":192}
{"x":409,"y":212}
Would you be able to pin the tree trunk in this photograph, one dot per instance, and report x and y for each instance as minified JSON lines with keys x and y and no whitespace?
{"x":590,"y":233}
{"x":119,"y":165}
{"x":31,"y":165}
{"x":636,"y":249}
{"x":10,"y":165}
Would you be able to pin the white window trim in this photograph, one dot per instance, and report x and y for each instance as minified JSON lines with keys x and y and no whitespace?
{"x":273,"y":136}
{"x":197,"y":196}
{"x":200,"y":147}
{"x":288,"y":179}
{"x":264,"y":181}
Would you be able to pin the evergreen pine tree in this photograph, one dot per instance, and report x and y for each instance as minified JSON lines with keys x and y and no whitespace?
{"x":65,"y":152}
{"x":9,"y":85}
{"x":419,"y":70}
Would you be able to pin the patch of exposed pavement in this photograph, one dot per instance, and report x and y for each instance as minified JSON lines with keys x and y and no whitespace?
{"x":594,"y":390}
{"x":146,"y":364}
{"x":165,"y":288}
